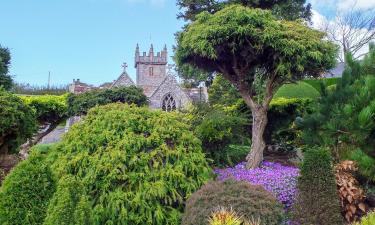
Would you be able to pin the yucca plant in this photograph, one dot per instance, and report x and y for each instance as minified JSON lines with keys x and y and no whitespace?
{"x":224,"y":216}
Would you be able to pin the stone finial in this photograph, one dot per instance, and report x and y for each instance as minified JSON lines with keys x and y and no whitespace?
{"x":124,"y":65}
{"x":152,"y":50}
{"x":137,"y":51}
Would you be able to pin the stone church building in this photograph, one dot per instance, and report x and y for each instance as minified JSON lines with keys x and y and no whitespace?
{"x":157,"y":81}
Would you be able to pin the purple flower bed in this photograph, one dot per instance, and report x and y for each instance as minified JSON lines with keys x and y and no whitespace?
{"x":278,"y":179}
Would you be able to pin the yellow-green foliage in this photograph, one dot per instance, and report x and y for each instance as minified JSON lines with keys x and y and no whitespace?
{"x":17,"y":122}
{"x":367,"y":220}
{"x":297,"y":90}
{"x":48,"y":108}
{"x":224,"y":216}
{"x":25,"y":193}
{"x":121,"y":165}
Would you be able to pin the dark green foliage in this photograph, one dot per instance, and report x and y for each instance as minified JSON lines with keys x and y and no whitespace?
{"x":17,"y":122}
{"x":250,"y":202}
{"x":317,"y":201}
{"x":365,"y":163}
{"x":136,"y":166}
{"x":25,"y":193}
{"x":5,"y":79}
{"x":344,"y":118}
{"x":48,"y":108}
{"x":298,"y":90}
{"x":281,"y":115}
{"x":281,"y":129}
{"x":80,"y":104}
{"x":217,"y":130}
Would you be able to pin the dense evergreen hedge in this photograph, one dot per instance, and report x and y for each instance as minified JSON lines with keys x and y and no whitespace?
{"x":25,"y":193}
{"x":121,"y":165}
{"x":48,"y":108}
{"x":17,"y":122}
{"x":318,"y":200}
{"x":81,"y":103}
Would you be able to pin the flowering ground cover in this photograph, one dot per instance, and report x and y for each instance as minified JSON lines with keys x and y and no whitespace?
{"x":276,"y":178}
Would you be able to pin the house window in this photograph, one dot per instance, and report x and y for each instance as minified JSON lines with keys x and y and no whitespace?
{"x":151,"y":71}
{"x":168,"y":104}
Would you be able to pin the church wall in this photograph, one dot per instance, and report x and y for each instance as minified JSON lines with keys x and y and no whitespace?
{"x":169,"y":86}
{"x":144,"y":77}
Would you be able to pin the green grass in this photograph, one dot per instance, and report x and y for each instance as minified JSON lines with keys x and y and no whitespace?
{"x":297,"y":90}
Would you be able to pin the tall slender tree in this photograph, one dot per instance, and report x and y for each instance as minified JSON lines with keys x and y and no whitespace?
{"x":257,"y":53}
{"x":5,"y":79}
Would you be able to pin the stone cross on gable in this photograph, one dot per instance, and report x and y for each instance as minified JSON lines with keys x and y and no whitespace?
{"x":124,"y":65}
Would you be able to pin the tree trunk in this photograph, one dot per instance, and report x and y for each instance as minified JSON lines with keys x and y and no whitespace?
{"x":255,"y":157}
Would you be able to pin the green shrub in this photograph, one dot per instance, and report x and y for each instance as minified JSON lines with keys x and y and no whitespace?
{"x":367,"y":220}
{"x":17,"y":122}
{"x":298,"y":90}
{"x":136,"y":165}
{"x":217,"y":130}
{"x":80,"y":104}
{"x":69,"y":205}
{"x":366,"y":164}
{"x":25,"y":193}
{"x":317,"y":201}
{"x":247,"y":200}
{"x":48,"y":108}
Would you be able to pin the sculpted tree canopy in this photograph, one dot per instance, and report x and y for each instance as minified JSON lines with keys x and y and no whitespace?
{"x":257,"y":53}
{"x":283,"y":9}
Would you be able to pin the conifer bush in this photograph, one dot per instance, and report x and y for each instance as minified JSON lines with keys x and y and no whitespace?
{"x":17,"y":122}
{"x":248,"y":201}
{"x":136,"y":166}
{"x":317,"y":201}
{"x":25,"y":192}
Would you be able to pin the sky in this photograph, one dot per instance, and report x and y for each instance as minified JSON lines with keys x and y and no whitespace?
{"x":90,"y":39}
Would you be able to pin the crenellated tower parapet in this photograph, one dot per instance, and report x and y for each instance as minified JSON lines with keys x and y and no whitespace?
{"x":151,"y":68}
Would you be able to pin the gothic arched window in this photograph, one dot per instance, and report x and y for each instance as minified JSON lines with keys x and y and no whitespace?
{"x":168,"y":104}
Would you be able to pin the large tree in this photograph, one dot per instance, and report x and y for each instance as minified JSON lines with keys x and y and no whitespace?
{"x":5,"y":79}
{"x":257,"y":53}
{"x":283,"y":9}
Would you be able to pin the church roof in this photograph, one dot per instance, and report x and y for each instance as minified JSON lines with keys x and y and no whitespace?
{"x":123,"y":80}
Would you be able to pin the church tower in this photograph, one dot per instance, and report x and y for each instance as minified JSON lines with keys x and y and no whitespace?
{"x":151,"y":69}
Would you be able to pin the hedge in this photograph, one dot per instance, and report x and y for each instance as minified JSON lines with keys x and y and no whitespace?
{"x":48,"y":108}
{"x":17,"y":122}
{"x":81,"y":103}
{"x":25,"y":193}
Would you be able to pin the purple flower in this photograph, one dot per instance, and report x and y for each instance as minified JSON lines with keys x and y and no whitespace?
{"x":276,"y":178}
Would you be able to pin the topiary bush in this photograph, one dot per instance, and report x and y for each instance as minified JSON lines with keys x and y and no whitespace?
{"x":48,"y":108}
{"x":298,"y":90}
{"x":245,"y":199}
{"x":25,"y":193}
{"x":135,"y":165}
{"x":17,"y":122}
{"x":81,"y":103}
{"x":317,"y":201}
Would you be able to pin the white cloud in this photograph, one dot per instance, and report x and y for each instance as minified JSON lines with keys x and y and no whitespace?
{"x":357,"y":4}
{"x":317,"y":19}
